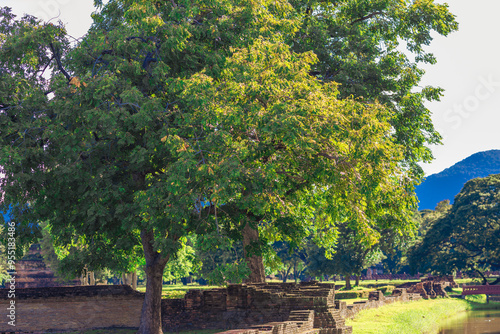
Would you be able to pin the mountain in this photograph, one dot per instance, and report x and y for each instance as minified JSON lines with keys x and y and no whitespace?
{"x":449,"y":182}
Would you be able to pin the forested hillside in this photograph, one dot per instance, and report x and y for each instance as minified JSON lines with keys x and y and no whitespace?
{"x":447,"y":184}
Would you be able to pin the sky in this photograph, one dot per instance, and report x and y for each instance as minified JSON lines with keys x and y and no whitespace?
{"x":468,"y":68}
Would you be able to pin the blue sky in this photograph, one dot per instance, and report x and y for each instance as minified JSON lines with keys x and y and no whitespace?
{"x":468,"y":68}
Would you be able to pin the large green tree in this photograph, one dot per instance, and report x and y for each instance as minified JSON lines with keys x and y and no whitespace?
{"x":465,"y":237}
{"x":171,"y":118}
{"x":294,"y":159}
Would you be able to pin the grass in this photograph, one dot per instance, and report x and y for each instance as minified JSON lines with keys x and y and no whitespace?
{"x":423,"y":316}
{"x":173,"y":291}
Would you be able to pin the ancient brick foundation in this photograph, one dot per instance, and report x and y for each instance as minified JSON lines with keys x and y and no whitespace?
{"x":323,"y":315}
{"x":376,"y":299}
{"x":270,"y":308}
{"x":278,"y":308}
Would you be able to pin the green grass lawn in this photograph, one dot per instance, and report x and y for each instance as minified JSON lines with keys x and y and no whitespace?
{"x":423,"y":316}
{"x":173,"y":291}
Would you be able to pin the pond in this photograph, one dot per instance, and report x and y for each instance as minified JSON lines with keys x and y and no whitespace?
{"x":474,"y":322}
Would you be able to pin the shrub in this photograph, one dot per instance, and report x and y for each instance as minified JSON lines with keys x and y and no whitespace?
{"x":387,"y":289}
{"x":348,"y":295}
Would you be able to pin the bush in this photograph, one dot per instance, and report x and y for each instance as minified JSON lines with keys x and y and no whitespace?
{"x":365,"y":293}
{"x":352,"y":294}
{"x":387,"y":289}
{"x":348,"y":295}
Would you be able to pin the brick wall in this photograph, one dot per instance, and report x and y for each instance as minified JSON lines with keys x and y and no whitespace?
{"x":72,"y":308}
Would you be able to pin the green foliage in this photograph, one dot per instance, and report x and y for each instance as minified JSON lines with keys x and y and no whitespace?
{"x":221,"y":258}
{"x":466,"y":236}
{"x":119,"y":85}
{"x":348,"y":295}
{"x":183,"y":264}
{"x":430,"y":216}
{"x":351,"y":256}
{"x":291,"y":261}
{"x":359,"y":45}
{"x":363,"y":293}
{"x":387,"y":289}
{"x":293,"y":158}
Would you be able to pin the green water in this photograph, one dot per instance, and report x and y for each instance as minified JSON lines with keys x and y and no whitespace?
{"x":474,"y":322}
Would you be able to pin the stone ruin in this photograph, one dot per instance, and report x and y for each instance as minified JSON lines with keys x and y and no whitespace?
{"x":375,"y":299}
{"x":431,"y":287}
{"x":274,"y":308}
{"x":32,"y":272}
{"x":268,"y":308}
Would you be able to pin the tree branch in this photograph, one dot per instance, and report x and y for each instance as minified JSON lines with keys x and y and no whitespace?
{"x":50,"y":61}
{"x":369,"y":16}
{"x":57,"y":56}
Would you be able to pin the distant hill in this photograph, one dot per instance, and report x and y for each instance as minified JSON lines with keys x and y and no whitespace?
{"x":449,"y":182}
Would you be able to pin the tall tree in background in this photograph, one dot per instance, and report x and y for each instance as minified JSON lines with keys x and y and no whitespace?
{"x":466,"y":237}
{"x":351,"y":257}
{"x":221,"y":259}
{"x":292,"y":260}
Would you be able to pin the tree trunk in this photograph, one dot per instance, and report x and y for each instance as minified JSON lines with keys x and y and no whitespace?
{"x":151,"y":308}
{"x":84,"y":278}
{"x":254,"y":262}
{"x":348,"y":282}
{"x":485,"y":281}
{"x":357,"y":280}
{"x":134,"y":280}
{"x":91,"y":278}
{"x":295,"y":273}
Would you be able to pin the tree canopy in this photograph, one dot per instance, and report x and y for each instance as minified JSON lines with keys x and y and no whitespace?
{"x":172,"y":118}
{"x":465,"y":237}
